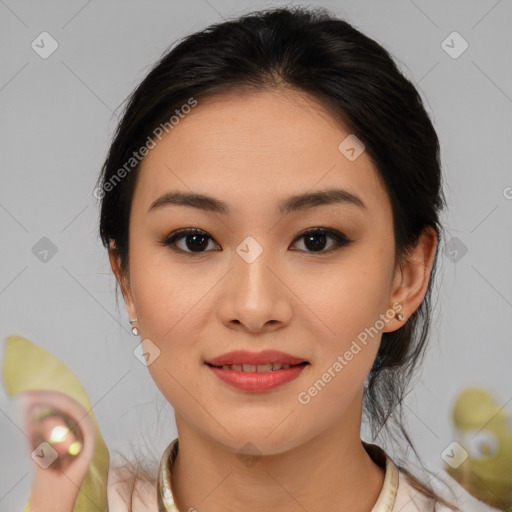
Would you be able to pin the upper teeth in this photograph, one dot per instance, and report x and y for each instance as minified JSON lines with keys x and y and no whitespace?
{"x":255,"y":367}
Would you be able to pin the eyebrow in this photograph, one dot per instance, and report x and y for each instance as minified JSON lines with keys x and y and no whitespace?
{"x":295,"y":203}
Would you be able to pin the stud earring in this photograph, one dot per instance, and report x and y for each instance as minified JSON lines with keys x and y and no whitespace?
{"x":399,"y":316}
{"x":135,"y":331}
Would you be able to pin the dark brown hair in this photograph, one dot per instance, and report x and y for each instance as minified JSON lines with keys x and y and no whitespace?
{"x":355,"y":78}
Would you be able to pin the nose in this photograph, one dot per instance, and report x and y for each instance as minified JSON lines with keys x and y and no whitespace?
{"x":255,"y":296}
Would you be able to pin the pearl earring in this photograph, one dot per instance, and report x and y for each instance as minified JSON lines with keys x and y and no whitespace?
{"x":135,"y":331}
{"x":400,"y":317}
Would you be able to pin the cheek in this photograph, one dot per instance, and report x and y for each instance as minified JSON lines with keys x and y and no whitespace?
{"x":167,"y":302}
{"x":351,"y":296}
{"x":350,"y":302}
{"x":164,"y":293}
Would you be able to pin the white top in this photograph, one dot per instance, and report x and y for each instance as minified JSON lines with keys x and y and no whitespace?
{"x":397,"y":494}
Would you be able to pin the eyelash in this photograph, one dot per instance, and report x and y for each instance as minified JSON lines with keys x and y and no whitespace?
{"x":340,"y":239}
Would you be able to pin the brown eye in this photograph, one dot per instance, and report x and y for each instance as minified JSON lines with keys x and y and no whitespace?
{"x":195,"y":240}
{"x":315,"y":240}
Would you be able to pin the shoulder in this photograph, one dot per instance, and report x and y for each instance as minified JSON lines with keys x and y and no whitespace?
{"x":127,"y":491}
{"x":408,"y":499}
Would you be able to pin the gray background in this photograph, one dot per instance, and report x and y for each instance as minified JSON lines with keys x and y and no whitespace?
{"x":57,"y":118}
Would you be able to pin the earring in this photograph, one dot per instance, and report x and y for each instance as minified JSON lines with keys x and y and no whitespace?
{"x":135,"y":331}
{"x":400,"y":317}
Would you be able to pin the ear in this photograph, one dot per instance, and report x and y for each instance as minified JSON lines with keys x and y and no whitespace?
{"x":115,"y":263}
{"x":412,"y":277}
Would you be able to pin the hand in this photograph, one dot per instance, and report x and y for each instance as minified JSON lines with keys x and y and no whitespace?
{"x":62,"y":440}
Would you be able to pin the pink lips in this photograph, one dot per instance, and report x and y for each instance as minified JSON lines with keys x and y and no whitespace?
{"x":257,"y":382}
{"x":263,"y":357}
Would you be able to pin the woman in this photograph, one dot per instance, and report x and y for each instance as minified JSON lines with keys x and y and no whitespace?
{"x":270,"y":204}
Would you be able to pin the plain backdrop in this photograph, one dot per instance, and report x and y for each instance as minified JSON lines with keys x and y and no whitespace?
{"x":58,"y":115}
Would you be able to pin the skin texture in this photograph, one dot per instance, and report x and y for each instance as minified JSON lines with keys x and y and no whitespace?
{"x":253,"y":151}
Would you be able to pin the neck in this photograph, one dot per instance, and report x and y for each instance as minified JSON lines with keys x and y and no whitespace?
{"x":330,"y":471}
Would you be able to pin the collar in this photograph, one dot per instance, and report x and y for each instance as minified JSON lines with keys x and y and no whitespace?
{"x":385,"y":502}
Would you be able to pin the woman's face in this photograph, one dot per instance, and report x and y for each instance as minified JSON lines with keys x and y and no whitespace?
{"x":260,"y":277}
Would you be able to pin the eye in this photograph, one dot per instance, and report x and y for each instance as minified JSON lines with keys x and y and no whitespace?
{"x":315,"y":239}
{"x":196,"y":240}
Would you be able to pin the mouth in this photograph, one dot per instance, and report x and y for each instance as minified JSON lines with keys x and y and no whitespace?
{"x":257,"y":378}
{"x":256,"y":362}
{"x":257,"y":368}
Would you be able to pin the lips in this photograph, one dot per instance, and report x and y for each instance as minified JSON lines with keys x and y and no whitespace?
{"x":265,"y":357}
{"x":260,"y":381}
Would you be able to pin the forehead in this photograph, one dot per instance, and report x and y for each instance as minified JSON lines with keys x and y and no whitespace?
{"x":266,"y":145}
